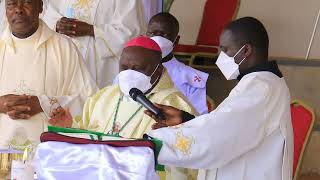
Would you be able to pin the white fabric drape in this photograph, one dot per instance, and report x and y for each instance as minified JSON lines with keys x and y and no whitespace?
{"x":65,"y":161}
{"x":152,"y":7}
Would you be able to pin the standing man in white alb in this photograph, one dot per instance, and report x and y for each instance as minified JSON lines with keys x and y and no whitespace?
{"x":249,"y":135}
{"x":99,"y":28}
{"x":164,"y":28}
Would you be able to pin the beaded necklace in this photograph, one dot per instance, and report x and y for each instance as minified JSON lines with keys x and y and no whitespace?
{"x":116,"y":130}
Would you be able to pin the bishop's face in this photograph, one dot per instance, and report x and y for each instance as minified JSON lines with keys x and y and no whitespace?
{"x":141,"y":60}
{"x":23,"y":16}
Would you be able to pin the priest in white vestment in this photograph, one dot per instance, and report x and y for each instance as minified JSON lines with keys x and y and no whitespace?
{"x":249,"y":135}
{"x":39,"y":71}
{"x":99,"y":28}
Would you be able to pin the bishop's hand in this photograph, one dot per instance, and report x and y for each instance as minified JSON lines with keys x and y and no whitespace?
{"x":61,"y":117}
{"x":172,"y":115}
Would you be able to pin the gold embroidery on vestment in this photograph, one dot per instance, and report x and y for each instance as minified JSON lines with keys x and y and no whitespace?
{"x":183,"y":143}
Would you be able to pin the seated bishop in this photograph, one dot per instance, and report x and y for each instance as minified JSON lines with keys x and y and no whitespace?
{"x":112,"y":111}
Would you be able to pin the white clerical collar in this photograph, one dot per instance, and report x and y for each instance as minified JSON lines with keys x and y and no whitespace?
{"x":43,"y":31}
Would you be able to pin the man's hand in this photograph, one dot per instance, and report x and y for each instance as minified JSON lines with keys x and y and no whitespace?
{"x":61,"y":117}
{"x":172,"y":115}
{"x":24,"y":109}
{"x":74,"y":27}
{"x":7,"y":101}
{"x":20,"y":106}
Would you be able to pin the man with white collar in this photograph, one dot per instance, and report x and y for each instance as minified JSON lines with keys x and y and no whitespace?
{"x":164,"y":28}
{"x":39,"y":71}
{"x":249,"y":135}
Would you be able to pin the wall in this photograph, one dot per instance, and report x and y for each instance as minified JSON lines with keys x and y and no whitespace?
{"x":189,"y":14}
{"x":289,"y":23}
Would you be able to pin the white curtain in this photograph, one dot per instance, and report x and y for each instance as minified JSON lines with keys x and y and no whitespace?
{"x":3,"y":21}
{"x":152,"y":7}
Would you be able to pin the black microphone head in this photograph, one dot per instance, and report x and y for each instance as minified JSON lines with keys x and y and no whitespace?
{"x":134,"y":92}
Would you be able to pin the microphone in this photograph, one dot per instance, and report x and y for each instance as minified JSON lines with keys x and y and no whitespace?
{"x":139,"y":97}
